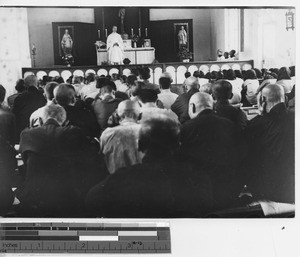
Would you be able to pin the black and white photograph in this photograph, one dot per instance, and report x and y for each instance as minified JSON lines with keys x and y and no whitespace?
{"x":148,"y":112}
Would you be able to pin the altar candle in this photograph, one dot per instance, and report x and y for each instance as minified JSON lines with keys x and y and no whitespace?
{"x":131,"y":32}
{"x":99,"y":33}
{"x":139,"y":32}
{"x":105,"y":32}
{"x":146,"y":32}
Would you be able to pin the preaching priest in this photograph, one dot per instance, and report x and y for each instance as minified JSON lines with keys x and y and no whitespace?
{"x":115,"y":47}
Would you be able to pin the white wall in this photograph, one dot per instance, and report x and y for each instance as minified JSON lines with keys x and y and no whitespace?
{"x":40,"y":28}
{"x":217,"y":31}
{"x":201,"y":27}
{"x":14,"y":46}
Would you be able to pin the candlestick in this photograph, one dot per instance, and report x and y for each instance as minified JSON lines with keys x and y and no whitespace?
{"x":99,"y":33}
{"x":146,"y":32}
{"x":105,"y":32}
{"x":139,"y":32}
{"x":131,"y":32}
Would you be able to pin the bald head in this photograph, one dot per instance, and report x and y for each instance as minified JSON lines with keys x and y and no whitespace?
{"x":199,"y":102}
{"x":191,"y":82}
{"x":129,"y":110}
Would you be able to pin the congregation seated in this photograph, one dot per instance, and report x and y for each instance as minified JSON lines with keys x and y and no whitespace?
{"x":180,"y":106}
{"x":157,"y":187}
{"x":119,"y":144}
{"x":211,"y":143}
{"x":222,"y":93}
{"x":26,"y":103}
{"x":236,"y":86}
{"x":89,"y":90}
{"x":271,"y":139}
{"x":60,"y":167}
{"x":77,"y":115}
{"x":284,"y":79}
{"x":250,"y":87}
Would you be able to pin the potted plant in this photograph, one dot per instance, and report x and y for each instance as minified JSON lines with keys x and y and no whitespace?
{"x":184,"y":54}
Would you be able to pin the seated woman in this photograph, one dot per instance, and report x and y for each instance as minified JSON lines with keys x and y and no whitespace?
{"x":250,"y":87}
{"x":236,"y":87}
{"x":284,"y":79}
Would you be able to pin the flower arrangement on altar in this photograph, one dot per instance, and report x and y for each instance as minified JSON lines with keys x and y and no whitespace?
{"x":184,"y":53}
{"x":100,"y":44}
{"x":68,"y":59}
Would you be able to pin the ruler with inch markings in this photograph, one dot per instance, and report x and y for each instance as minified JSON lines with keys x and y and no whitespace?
{"x":144,"y":237}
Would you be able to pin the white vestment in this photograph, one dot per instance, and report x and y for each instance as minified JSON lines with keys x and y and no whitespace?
{"x":115,"y":52}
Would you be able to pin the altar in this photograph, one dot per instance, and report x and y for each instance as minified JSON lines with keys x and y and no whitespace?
{"x":138,"y":55}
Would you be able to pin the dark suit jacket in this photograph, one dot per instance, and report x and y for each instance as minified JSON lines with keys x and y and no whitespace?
{"x":237,"y":116}
{"x":24,"y":105}
{"x":104,"y":109}
{"x":181,"y":105}
{"x":211,"y":142}
{"x":271,"y":158}
{"x":7,"y":126}
{"x":61,"y":167}
{"x":159,"y":187}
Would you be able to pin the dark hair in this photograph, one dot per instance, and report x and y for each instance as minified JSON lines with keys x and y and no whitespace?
{"x":274,"y":75}
{"x":232,"y":53}
{"x":147,"y":95}
{"x":159,"y":136}
{"x":201,"y":74}
{"x":258,"y":73}
{"x":165,"y":82}
{"x":131,"y":79}
{"x":123,"y":78}
{"x":187,"y":74}
{"x":196,"y":74}
{"x":115,"y":76}
{"x":224,"y":74}
{"x":220,"y":75}
{"x":207,"y":75}
{"x":49,"y":88}
{"x":275,"y":70}
{"x":46,"y":79}
{"x":226,"y":55}
{"x":58,"y":80}
{"x":230,"y":74}
{"x":222,"y":90}
{"x":213,"y":75}
{"x":69,"y":80}
{"x":292,"y":70}
{"x":20,"y":85}
{"x":90,"y":77}
{"x":238,"y":74}
{"x":250,"y":74}
{"x":284,"y":73}
{"x":63,"y":95}
{"x":2,"y":93}
{"x":105,"y":82}
{"x":144,"y":73}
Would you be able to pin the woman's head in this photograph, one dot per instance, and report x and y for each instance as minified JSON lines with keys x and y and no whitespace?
{"x":284,"y":73}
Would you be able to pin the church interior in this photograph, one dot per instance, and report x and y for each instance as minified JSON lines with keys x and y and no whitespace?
{"x":147,"y":112}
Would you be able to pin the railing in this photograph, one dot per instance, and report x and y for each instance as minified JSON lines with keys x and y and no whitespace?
{"x":176,"y":69}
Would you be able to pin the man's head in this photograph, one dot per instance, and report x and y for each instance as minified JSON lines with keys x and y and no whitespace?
{"x":131,"y":80}
{"x":106,"y":86}
{"x":284,"y":73}
{"x":187,"y":74}
{"x":226,"y":55}
{"x":48,"y":90}
{"x":165,"y":83}
{"x":31,"y":81}
{"x":271,"y":95}
{"x":232,"y":53}
{"x":191,"y":83}
{"x":2,"y":94}
{"x":198,"y":103}
{"x":167,"y":75}
{"x":64,"y":94}
{"x":20,"y":85}
{"x":144,"y":73}
{"x":55,"y":112}
{"x":147,"y":96}
{"x":219,"y":52}
{"x":129,"y":110}
{"x":76,"y":80}
{"x":159,"y":134}
{"x":114,"y":28}
{"x":222,"y":90}
{"x":90,"y":77}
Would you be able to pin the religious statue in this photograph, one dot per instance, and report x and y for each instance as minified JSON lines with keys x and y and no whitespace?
{"x":115,"y":47}
{"x":182,"y":36}
{"x":66,"y":43}
{"x":122,"y":17}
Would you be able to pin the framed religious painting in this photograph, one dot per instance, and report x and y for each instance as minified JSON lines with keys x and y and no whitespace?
{"x":181,"y":34}
{"x":65,"y":39}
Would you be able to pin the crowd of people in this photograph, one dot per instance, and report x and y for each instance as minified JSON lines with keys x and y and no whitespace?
{"x":121,"y":146}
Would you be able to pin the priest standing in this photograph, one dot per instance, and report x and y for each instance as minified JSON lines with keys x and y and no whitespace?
{"x":115,"y":47}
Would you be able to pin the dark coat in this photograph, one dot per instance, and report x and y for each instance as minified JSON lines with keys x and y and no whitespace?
{"x":271,"y":158}
{"x":212,"y":143}
{"x":24,"y":105}
{"x":154,"y":189}
{"x":61,"y":167}
{"x":181,"y":105}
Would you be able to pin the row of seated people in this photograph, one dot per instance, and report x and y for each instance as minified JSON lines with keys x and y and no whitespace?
{"x":150,"y":163}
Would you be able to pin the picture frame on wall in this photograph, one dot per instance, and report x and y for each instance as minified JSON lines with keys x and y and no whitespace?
{"x":65,"y":32}
{"x":177,"y":27}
